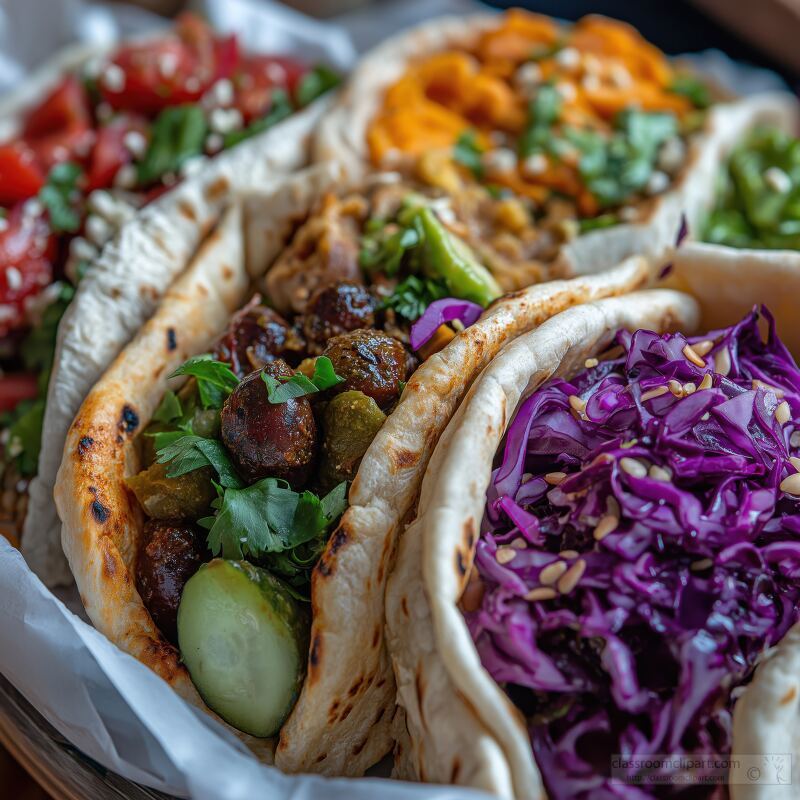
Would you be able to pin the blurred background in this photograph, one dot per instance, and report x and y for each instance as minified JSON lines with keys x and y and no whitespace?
{"x":763,"y":34}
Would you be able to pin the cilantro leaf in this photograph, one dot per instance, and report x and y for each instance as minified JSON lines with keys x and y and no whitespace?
{"x":335,"y":502}
{"x":412,"y":296}
{"x":386,"y":247}
{"x":215,"y":379}
{"x":280,"y":109}
{"x":468,"y":153}
{"x":543,"y":112}
{"x":692,"y":88}
{"x":169,"y":409}
{"x":188,"y":452}
{"x":279,"y":390}
{"x":178,"y":133}
{"x":25,"y":435}
{"x":315,"y":83}
{"x":58,"y":196}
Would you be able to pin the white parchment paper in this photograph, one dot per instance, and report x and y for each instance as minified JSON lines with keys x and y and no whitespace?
{"x":106,"y":703}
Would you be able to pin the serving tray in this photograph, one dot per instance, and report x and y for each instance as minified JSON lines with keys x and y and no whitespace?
{"x":58,"y":767}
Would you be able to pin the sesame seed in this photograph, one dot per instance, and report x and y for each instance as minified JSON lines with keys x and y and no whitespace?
{"x":658,"y":182}
{"x":126,"y":177}
{"x":519,"y":543}
{"x":591,"y":83}
{"x":653,"y":393}
{"x":757,"y":384}
{"x":691,"y":355}
{"x":554,"y":478}
{"x":722,"y":361}
{"x":607,"y":524}
{"x":628,"y":213}
{"x":783,"y":413}
{"x":135,"y":142}
{"x":569,"y":554}
{"x":703,"y":563}
{"x":552,"y":572}
{"x":541,"y":593}
{"x":534,"y":165}
{"x":675,"y":387}
{"x":577,"y":404}
{"x":499,"y":160}
{"x":663,"y":474}
{"x":630,"y":443}
{"x":590,"y":363}
{"x":505,"y":554}
{"x":703,"y":348}
{"x":620,"y":76}
{"x":633,"y":467}
{"x":795,"y":462}
{"x":706,"y":416}
{"x":777,"y":180}
{"x":528,"y":77}
{"x":707,"y":382}
{"x":569,"y":580}
{"x":568,"y":58}
{"x":672,"y":155}
{"x":689,"y":388}
{"x":225,"y":120}
{"x":567,"y":91}
{"x":113,"y":78}
{"x":791,"y":484}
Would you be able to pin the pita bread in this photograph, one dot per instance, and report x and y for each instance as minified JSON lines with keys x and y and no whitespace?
{"x":342,"y":723}
{"x":437,"y":551}
{"x":342,"y":136}
{"x":122,"y":289}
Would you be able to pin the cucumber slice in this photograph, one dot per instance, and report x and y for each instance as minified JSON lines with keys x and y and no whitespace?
{"x":244,"y":640}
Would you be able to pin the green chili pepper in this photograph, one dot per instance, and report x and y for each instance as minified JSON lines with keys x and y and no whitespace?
{"x":447,"y":257}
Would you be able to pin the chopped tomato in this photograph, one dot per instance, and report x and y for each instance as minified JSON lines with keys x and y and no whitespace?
{"x":59,"y":129}
{"x":27,"y":250}
{"x":65,"y":107}
{"x":20,"y":175}
{"x":15,"y":388}
{"x":178,"y":68}
{"x":256,"y":79}
{"x":110,"y":152}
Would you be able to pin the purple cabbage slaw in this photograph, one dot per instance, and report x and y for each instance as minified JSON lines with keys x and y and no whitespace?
{"x":698,"y":576}
{"x":440,"y":311}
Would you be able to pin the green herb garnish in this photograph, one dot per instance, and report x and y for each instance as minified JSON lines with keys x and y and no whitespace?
{"x":543,"y":113}
{"x":413,"y":295}
{"x":692,"y":88}
{"x":280,"y":109}
{"x":318,"y":81}
{"x":279,"y":390}
{"x":187,"y":453}
{"x":215,"y":379}
{"x":178,"y":134}
{"x":468,"y":153}
{"x":58,"y":196}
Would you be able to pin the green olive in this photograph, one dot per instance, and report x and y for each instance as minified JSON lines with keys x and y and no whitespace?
{"x":350,"y":422}
{"x":186,"y":497}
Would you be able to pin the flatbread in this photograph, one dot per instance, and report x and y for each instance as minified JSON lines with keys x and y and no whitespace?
{"x":122,"y":290}
{"x":342,"y":136}
{"x":342,"y":723}
{"x":438,"y":549}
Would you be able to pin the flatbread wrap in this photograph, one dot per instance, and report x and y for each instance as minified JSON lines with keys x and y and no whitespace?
{"x":602,"y":565}
{"x":129,"y":151}
{"x":292,"y":455}
{"x":586,"y":129}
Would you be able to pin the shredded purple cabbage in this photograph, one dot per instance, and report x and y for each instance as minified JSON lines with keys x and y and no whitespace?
{"x":697,"y":577}
{"x":440,"y":311}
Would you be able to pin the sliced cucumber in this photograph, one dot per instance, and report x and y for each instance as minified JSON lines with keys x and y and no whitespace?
{"x":244,"y":640}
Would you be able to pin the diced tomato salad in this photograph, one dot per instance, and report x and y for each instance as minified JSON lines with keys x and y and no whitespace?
{"x":126,"y":125}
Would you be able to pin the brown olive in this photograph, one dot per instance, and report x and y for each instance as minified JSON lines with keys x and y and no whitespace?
{"x":269,"y":440}
{"x":370,"y":362}
{"x":171,"y":552}
{"x":256,"y":336}
{"x":335,"y":309}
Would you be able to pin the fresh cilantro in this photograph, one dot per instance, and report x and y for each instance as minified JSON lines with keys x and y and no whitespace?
{"x":215,"y":379}
{"x":268,"y":517}
{"x":178,"y":134}
{"x":59,"y":194}
{"x":279,"y":390}
{"x":543,"y":112}
{"x":25,"y":435}
{"x":617,"y":166}
{"x":169,"y":409}
{"x":692,"y":88}
{"x":385,"y":248}
{"x":280,"y":109}
{"x":468,"y":153}
{"x":597,"y":223}
{"x":413,"y":295}
{"x":188,"y":453}
{"x":315,"y":83}
{"x":544,"y":51}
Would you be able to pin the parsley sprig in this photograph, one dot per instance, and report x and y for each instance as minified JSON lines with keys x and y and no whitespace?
{"x":59,"y":196}
{"x":215,"y":379}
{"x":284,"y":388}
